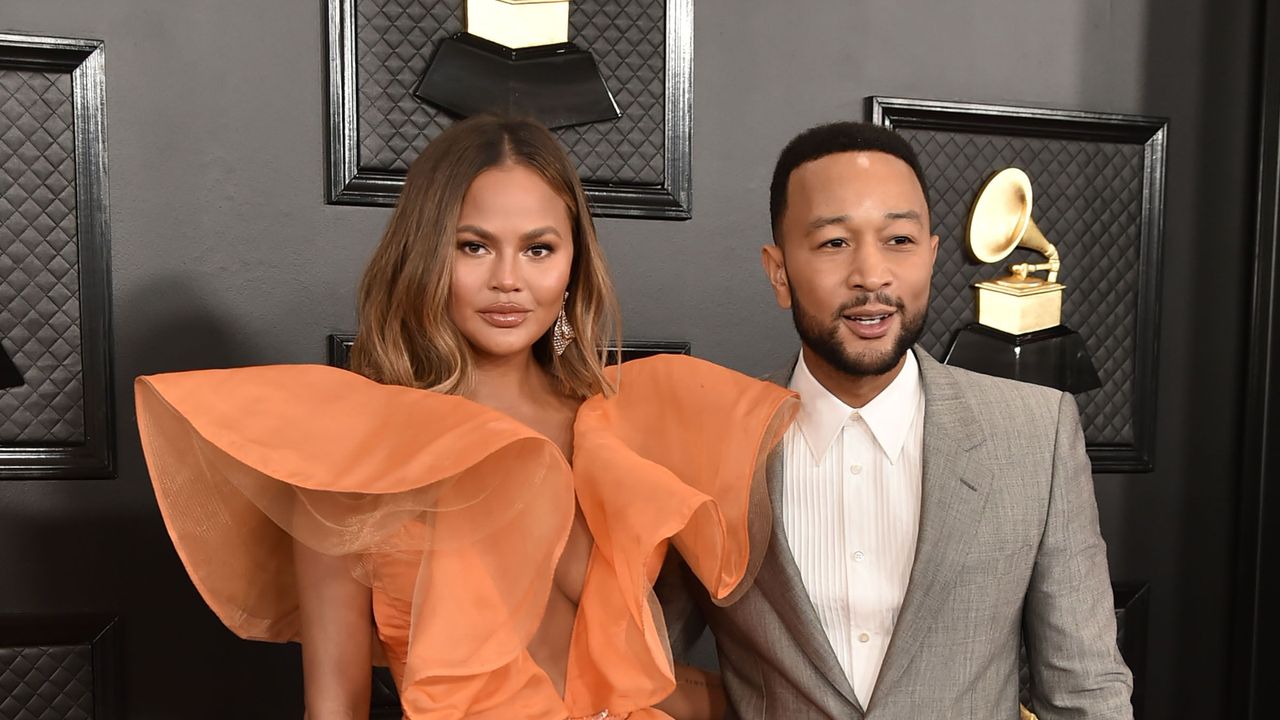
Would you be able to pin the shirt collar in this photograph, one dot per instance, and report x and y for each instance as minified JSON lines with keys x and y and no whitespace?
{"x":889,"y":415}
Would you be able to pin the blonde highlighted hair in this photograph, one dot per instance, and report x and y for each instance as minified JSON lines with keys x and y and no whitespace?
{"x":405,"y":335}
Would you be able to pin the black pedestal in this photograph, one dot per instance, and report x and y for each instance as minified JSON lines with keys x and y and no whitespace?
{"x":557,"y":85}
{"x":1055,"y":357}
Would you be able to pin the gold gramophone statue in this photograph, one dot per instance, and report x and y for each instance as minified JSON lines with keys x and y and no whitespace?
{"x":515,"y":58}
{"x":1019,"y":333}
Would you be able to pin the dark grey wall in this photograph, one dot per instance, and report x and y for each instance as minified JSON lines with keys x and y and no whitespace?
{"x":224,"y":253}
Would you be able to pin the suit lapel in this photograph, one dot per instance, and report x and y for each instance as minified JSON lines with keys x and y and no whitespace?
{"x":954,"y":492}
{"x":780,"y":582}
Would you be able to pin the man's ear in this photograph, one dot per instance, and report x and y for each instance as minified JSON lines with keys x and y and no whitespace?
{"x":775,"y":269}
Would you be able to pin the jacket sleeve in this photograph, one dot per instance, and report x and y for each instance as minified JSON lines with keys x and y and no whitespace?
{"x":1069,"y":616}
{"x":676,"y":589}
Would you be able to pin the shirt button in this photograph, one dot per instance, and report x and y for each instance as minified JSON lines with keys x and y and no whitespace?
{"x":856,"y":469}
{"x":864,"y":638}
{"x":858,"y":556}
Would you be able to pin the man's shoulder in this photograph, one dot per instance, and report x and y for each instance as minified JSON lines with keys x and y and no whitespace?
{"x":995,"y":388}
{"x":1001,"y":400}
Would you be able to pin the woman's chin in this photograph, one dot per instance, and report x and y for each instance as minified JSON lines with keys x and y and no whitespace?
{"x":501,"y":348}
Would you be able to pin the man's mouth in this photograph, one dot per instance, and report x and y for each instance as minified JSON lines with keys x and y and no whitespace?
{"x":869,"y":324}
{"x":868,"y":319}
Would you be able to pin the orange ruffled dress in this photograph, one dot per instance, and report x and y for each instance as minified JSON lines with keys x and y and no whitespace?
{"x":456,"y":515}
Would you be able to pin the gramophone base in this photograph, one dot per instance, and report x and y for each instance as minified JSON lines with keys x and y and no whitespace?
{"x":1055,"y":357}
{"x":557,"y":85}
{"x":1019,"y":310}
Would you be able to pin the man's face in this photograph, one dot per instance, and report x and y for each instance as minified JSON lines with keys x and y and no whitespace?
{"x":854,"y":259}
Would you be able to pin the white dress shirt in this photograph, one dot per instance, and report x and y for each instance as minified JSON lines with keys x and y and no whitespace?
{"x":851,"y":511}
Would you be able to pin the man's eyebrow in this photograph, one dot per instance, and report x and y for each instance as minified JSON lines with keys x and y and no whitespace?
{"x":826,"y":220}
{"x":903,"y":215}
{"x":821,"y":222}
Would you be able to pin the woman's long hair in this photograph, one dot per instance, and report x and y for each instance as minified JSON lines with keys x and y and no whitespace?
{"x":405,"y":335}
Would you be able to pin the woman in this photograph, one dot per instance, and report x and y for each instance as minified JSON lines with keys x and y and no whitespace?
{"x":487,"y":507}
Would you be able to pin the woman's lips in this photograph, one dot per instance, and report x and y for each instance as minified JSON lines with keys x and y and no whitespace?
{"x":504,"y":319}
{"x":504,"y":315}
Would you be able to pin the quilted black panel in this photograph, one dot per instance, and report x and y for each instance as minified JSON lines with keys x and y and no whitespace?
{"x":46,"y":683}
{"x":395,"y":39}
{"x":39,"y":260}
{"x":1088,"y":202}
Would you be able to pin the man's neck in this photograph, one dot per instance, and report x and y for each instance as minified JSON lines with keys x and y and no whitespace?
{"x":853,"y":390}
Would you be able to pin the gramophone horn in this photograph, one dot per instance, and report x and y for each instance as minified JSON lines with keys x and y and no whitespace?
{"x":1000,"y":215}
{"x":1001,"y":221}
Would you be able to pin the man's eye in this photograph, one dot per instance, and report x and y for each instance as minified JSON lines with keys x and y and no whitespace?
{"x":836,"y":243}
{"x":901,"y":240}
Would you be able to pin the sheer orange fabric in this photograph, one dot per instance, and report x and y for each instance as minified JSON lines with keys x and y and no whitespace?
{"x":456,"y":515}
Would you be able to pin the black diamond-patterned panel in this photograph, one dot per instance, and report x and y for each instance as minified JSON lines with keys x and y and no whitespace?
{"x":395,"y":39}
{"x":39,"y":260}
{"x":1088,"y":202}
{"x":46,"y":683}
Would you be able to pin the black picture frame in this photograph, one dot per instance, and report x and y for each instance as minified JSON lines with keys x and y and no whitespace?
{"x":1151,"y":134}
{"x":350,"y":183}
{"x":339,"y":348}
{"x":83,"y":60}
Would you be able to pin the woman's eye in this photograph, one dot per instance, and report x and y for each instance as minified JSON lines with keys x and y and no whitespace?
{"x":471,"y":248}
{"x":539,"y":251}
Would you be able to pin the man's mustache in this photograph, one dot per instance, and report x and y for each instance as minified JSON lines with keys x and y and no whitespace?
{"x":862,"y":299}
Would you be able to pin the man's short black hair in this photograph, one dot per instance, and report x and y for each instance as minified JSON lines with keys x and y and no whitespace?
{"x":823,"y":140}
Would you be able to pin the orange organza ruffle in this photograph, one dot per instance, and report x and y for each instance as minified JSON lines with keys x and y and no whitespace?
{"x":456,"y":516}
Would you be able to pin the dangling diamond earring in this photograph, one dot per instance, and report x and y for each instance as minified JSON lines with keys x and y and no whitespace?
{"x":563,"y":333}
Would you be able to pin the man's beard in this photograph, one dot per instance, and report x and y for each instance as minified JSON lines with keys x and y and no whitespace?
{"x":824,"y":338}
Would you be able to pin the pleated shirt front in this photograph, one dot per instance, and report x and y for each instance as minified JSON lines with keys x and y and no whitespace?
{"x":851,"y":511}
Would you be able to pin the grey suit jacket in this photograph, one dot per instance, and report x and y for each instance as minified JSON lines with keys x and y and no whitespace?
{"x":1009,"y":548}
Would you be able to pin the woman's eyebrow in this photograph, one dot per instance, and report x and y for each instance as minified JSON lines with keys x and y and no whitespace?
{"x":539,"y":232}
{"x":478,"y":231}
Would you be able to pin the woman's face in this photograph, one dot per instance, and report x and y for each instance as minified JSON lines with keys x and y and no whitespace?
{"x":513,"y":253}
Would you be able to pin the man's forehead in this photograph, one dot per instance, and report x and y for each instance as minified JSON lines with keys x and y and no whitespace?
{"x":854,"y":160}
{"x":861,"y":177}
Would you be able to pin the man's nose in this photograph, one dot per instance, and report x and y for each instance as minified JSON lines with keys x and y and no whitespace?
{"x":868,"y":269}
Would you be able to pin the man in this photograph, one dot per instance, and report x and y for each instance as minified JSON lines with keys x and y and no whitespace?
{"x":927,"y":520}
